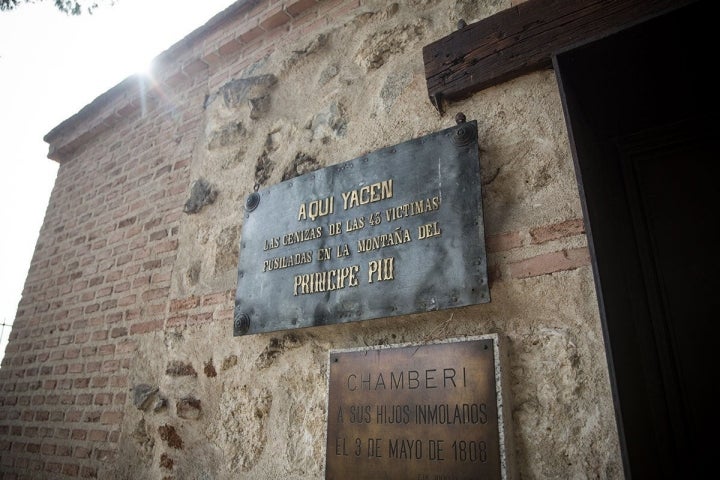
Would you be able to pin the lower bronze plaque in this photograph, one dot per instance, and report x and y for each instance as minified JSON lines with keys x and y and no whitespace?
{"x":421,"y":412}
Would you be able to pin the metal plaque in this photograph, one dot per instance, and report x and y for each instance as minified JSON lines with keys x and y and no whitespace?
{"x":394,"y":232}
{"x":422,"y":412}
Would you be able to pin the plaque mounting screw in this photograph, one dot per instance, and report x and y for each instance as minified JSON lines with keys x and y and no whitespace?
{"x":252,"y":202}
{"x":461,"y":24}
{"x":462,"y":136}
{"x":460,"y":118}
{"x":241,"y":323}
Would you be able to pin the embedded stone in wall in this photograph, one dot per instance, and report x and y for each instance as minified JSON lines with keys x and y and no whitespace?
{"x":179,"y":369}
{"x":240,"y":425}
{"x":192,"y":275}
{"x":393,"y":87}
{"x":209,"y":369}
{"x":376,"y":50}
{"x":143,"y":395}
{"x":227,"y":251}
{"x":263,"y":168}
{"x":201,"y":194}
{"x":328,"y":123}
{"x":166,"y":462}
{"x":170,"y":436}
{"x":328,"y":74}
{"x":254,"y":91}
{"x":188,"y":408}
{"x":229,"y":134}
{"x":229,"y":362}
{"x":317,"y":43}
{"x":145,"y":443}
{"x":275,"y":349}
{"x":302,"y":164}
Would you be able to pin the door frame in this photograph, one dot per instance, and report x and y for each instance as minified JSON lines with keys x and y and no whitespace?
{"x":655,"y":440}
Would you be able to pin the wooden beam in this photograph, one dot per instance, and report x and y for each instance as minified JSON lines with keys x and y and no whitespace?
{"x":522,"y":39}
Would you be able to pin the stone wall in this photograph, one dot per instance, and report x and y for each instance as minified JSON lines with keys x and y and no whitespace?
{"x":122,"y":363}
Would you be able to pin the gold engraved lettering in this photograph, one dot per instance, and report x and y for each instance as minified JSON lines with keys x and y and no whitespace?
{"x":354,"y":224}
{"x":334,"y":228}
{"x":326,"y":281}
{"x":396,"y":237}
{"x":448,"y":414}
{"x":274,"y":242}
{"x":343,"y":250}
{"x":407,"y":379}
{"x":381,"y":270}
{"x":429,"y":230}
{"x":324,"y":254}
{"x":411,"y":209}
{"x":302,"y":235}
{"x":316,"y":208}
{"x":368,"y":194}
{"x":278,"y":263}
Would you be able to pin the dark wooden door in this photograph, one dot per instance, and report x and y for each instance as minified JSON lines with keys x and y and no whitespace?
{"x":640,"y":111}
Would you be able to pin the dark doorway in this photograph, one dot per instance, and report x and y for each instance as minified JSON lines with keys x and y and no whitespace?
{"x":639,"y":108}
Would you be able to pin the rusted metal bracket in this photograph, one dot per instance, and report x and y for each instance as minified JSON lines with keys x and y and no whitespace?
{"x":523,"y":39}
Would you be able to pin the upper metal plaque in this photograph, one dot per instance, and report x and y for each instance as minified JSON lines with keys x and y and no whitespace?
{"x":394,"y":232}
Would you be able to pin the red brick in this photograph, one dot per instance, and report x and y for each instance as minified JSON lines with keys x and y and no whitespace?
{"x":63,"y":451}
{"x":502,"y":242}
{"x":250,"y":32}
{"x":550,"y":263}
{"x":98,"y":435}
{"x":106,"y":349}
{"x":155,"y":294}
{"x":231,"y":47}
{"x":184,"y":304}
{"x":48,"y":449}
{"x":298,"y":7}
{"x":81,"y":382}
{"x":119,"y":381}
{"x":567,"y":228}
{"x":194,"y":66}
{"x":100,"y":335}
{"x":118,"y":332}
{"x":111,"y":418}
{"x":88,"y":472}
{"x":110,"y":366}
{"x":71,"y":469}
{"x":81,"y":452}
{"x":89,"y":351}
{"x":274,"y":17}
{"x":215,"y":298}
{"x":127,"y":346}
{"x":99,"y":382}
{"x":146,"y":327}
{"x":32,"y":448}
{"x":199,"y":319}
{"x":163,"y":247}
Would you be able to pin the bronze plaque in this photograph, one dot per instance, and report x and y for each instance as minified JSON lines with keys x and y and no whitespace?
{"x":396,"y":231}
{"x":421,"y":412}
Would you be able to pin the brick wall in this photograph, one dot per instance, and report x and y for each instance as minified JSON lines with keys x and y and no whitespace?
{"x":100,"y":275}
